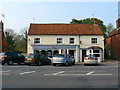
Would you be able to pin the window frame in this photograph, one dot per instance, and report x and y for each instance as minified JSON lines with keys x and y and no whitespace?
{"x":34,"y":40}
{"x":69,"y":40}
{"x":57,"y":40}
{"x":94,"y":40}
{"x":92,"y":52}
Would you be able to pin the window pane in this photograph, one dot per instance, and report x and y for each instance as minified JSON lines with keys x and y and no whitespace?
{"x":93,"y":40}
{"x":96,"y":51}
{"x":59,"y":40}
{"x":36,"y":40}
{"x":71,"y":40}
{"x":97,"y":55}
{"x":90,"y":51}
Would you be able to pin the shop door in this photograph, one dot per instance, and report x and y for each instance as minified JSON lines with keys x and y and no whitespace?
{"x":83,"y":55}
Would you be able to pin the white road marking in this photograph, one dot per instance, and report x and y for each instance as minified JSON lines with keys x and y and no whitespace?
{"x":5,"y":71}
{"x":90,"y":73}
{"x":85,"y":71}
{"x":4,"y":74}
{"x":102,"y":74}
{"x":58,"y":73}
{"x":77,"y":74}
{"x":27,"y":72}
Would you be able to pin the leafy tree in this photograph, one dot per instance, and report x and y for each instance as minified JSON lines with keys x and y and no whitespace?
{"x":16,"y":42}
{"x":90,"y":21}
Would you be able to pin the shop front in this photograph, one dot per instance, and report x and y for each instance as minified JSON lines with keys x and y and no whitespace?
{"x":52,"y":50}
{"x":93,"y":50}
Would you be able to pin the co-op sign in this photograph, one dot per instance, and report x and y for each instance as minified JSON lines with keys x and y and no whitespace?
{"x":53,"y":47}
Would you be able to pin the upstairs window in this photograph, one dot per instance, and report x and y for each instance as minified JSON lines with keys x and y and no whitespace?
{"x":59,"y":40}
{"x":93,"y":40}
{"x":36,"y":40}
{"x":71,"y":40}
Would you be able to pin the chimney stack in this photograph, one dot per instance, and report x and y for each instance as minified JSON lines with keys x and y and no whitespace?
{"x":118,"y":23}
{"x":1,"y":25}
{"x":95,"y":21}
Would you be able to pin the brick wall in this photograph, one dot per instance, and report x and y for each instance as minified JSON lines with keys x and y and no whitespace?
{"x":0,"y":41}
{"x":3,"y":42}
{"x":113,"y":47}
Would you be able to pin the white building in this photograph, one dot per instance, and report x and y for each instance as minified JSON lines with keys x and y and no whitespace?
{"x":75,"y":39}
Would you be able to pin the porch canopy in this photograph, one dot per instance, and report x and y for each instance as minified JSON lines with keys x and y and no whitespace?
{"x":94,"y":47}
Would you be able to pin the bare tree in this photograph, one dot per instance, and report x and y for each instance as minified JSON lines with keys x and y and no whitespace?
{"x":110,"y":27}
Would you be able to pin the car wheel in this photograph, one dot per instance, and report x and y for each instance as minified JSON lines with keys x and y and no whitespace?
{"x":3,"y":63}
{"x":73,"y":62}
{"x":67,"y":63}
{"x":54,"y":64}
{"x":10,"y":62}
{"x":85,"y":64}
{"x":49,"y":62}
{"x":39,"y":63}
{"x":19,"y":63}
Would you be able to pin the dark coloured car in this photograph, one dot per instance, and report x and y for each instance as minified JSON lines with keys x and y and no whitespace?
{"x":37,"y":59}
{"x":11,"y":57}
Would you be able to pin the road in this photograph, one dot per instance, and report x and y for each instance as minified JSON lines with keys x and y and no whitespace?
{"x":105,"y":75}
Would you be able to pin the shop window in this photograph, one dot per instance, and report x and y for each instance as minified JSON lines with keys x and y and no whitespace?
{"x":59,"y":40}
{"x":43,"y":52}
{"x":96,"y":51}
{"x":55,"y":52}
{"x":36,"y":40}
{"x":93,"y":40}
{"x":96,"y":55}
{"x":90,"y":51}
{"x":71,"y":40}
{"x":49,"y":53}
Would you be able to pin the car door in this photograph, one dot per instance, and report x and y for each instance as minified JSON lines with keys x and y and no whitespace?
{"x":20,"y":57}
{"x":70,"y":59}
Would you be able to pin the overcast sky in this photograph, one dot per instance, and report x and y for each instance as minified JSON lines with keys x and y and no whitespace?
{"x":19,"y":15}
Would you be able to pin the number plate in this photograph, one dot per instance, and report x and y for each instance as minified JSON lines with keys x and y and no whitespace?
{"x":29,"y":59}
{"x":90,"y":58}
{"x":58,"y":59}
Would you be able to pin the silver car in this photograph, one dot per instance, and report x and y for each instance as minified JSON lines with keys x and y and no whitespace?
{"x":90,"y":59}
{"x":63,"y":59}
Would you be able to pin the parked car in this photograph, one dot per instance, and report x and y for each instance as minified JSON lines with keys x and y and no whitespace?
{"x":11,"y":57}
{"x":63,"y":59}
{"x":37,"y":59}
{"x":90,"y":59}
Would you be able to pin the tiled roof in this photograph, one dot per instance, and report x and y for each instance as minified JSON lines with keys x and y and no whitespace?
{"x":64,"y":29}
{"x":114,"y":32}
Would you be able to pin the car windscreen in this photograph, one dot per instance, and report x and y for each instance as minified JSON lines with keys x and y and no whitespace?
{"x":2,"y":54}
{"x":60,"y":55}
{"x":92,"y":56}
{"x":30,"y":56}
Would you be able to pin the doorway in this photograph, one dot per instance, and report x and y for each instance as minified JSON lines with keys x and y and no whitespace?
{"x":83,"y":55}
{"x":71,"y":52}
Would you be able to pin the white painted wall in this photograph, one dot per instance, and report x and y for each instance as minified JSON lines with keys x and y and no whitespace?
{"x":86,"y":41}
{"x":51,"y":40}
